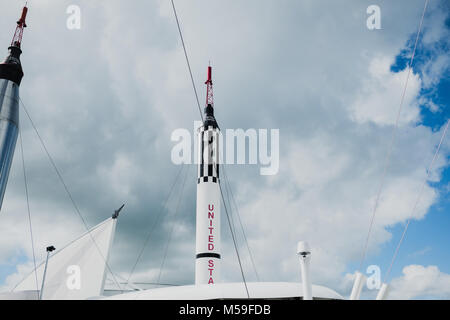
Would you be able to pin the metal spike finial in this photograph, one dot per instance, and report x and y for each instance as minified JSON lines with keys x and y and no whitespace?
{"x":116,"y":212}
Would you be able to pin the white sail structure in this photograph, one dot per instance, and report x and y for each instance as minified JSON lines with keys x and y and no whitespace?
{"x":75,"y":272}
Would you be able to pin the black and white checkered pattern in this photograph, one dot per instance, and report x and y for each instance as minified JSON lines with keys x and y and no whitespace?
{"x":208,"y":167}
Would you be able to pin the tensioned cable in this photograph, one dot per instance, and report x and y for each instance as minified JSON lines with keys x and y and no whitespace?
{"x":227,"y":181}
{"x":394,"y":134}
{"x":234,"y":239}
{"x":201,"y":115}
{"x":147,"y":239}
{"x":233,"y":226}
{"x":416,"y":203}
{"x":229,"y":191}
{"x":67,"y":190}
{"x":187,"y":59}
{"x":173,"y":226}
{"x":29,"y":211}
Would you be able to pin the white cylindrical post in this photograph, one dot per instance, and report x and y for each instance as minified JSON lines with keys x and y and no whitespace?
{"x":304,"y":253}
{"x":41,"y":293}
{"x":357,"y":286}
{"x":384,"y":291}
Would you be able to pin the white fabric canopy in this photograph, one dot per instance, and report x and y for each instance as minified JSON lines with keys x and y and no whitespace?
{"x":78,"y":270}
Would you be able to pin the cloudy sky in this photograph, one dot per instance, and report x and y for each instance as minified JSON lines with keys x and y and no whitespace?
{"x":107,"y":97}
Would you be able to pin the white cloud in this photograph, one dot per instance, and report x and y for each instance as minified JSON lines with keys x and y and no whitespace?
{"x":380,"y":96}
{"x":420,"y":282}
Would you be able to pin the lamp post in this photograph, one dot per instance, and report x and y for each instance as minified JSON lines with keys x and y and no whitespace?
{"x":49,"y":249}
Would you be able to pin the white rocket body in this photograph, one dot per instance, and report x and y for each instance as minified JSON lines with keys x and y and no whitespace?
{"x":207,"y":265}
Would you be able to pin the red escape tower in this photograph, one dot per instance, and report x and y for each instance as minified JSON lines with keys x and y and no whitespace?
{"x":11,"y":69}
{"x":209,"y":89}
{"x":17,"y":39}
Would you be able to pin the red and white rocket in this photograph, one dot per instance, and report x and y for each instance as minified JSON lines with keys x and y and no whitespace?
{"x":207,"y":264}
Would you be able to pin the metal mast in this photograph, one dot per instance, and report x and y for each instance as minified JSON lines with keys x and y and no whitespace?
{"x":11,"y":75}
{"x":17,"y":39}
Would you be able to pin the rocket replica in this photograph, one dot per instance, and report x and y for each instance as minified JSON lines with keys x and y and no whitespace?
{"x":10,"y":77}
{"x":207,"y":264}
